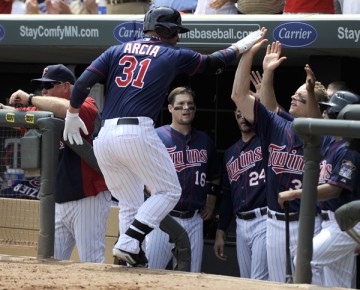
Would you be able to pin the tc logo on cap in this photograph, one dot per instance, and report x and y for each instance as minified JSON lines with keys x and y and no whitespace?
{"x":46,"y":70}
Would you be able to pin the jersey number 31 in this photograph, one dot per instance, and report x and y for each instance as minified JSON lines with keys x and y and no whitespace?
{"x":131,"y":65}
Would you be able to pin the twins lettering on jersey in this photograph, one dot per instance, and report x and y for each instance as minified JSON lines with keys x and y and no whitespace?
{"x":194,"y":157}
{"x":325,"y":172}
{"x":243,"y":163}
{"x":285,"y":162}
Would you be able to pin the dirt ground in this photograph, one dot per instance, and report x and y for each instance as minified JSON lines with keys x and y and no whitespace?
{"x":31,"y":273}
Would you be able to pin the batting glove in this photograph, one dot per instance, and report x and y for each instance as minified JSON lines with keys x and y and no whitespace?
{"x":73,"y":124}
{"x":247,"y":42}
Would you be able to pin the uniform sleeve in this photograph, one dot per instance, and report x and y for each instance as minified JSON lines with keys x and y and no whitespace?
{"x":193,"y":62}
{"x":345,"y":171}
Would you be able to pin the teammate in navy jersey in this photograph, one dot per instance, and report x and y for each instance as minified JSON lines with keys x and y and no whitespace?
{"x":243,"y":195}
{"x":283,"y":152}
{"x":82,"y":201}
{"x":333,"y":262}
{"x":194,"y":157}
{"x":130,"y":154}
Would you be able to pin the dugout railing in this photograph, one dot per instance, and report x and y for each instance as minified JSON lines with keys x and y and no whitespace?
{"x":51,"y":129}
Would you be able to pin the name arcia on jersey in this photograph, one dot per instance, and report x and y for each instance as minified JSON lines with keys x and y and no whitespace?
{"x":194,"y":157}
{"x":285,"y":162}
{"x":244,"y":162}
{"x":141,"y":48}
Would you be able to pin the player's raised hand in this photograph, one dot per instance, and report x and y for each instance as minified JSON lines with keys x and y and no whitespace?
{"x":310,"y":78}
{"x":247,"y":42}
{"x":73,"y":124}
{"x":272,"y":57}
{"x":256,"y":78}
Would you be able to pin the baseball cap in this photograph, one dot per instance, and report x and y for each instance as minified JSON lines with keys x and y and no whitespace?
{"x":56,"y":73}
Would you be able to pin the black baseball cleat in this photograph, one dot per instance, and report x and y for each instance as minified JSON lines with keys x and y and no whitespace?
{"x":135,"y":260}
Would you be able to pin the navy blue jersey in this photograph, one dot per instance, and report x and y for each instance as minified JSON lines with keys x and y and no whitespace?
{"x":243,"y":182}
{"x":139,"y":73}
{"x":244,"y":175}
{"x":340,"y":167}
{"x":285,"y":115}
{"x":195,"y":161}
{"x":283,"y":150}
{"x":28,"y":188}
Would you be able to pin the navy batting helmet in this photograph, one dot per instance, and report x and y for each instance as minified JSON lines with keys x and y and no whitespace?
{"x":165,"y":21}
{"x":338,"y":101}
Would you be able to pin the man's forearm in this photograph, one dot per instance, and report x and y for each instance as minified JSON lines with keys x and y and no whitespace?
{"x":52,"y":104}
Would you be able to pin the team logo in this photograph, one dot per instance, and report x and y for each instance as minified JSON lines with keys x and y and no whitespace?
{"x":282,"y":161}
{"x":191,"y":158}
{"x":2,"y":32}
{"x":325,"y":172}
{"x":128,"y":31}
{"x":30,"y":118}
{"x":10,"y":117}
{"x":45,"y":71}
{"x":295,"y":34}
{"x":347,"y":169}
{"x":35,"y":182}
{"x":244,"y":162}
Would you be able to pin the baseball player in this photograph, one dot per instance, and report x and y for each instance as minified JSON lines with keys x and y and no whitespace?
{"x":283,"y":152}
{"x":243,"y":194}
{"x":82,"y":201}
{"x":194,"y":156}
{"x":333,"y":250}
{"x":129,"y":152}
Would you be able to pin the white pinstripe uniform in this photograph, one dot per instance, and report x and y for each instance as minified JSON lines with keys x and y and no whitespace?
{"x":132,"y":155}
{"x":284,"y":172}
{"x":121,"y":151}
{"x":244,"y":193}
{"x":82,"y":222}
{"x":160,"y":250}
{"x":333,"y":260}
{"x":193,"y":170}
{"x":276,"y":251}
{"x":250,"y":246}
{"x":333,"y":256}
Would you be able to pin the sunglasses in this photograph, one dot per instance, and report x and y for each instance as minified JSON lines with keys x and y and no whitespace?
{"x":48,"y":85}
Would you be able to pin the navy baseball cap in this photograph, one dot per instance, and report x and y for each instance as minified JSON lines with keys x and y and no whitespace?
{"x":56,"y":73}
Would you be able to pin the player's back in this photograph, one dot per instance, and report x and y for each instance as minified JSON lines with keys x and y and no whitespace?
{"x":139,"y":73}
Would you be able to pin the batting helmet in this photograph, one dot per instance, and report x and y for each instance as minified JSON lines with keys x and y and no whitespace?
{"x":338,"y":101}
{"x":165,"y":21}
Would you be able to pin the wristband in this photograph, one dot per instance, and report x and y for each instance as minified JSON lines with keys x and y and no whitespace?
{"x":30,"y":99}
{"x":214,"y":189}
